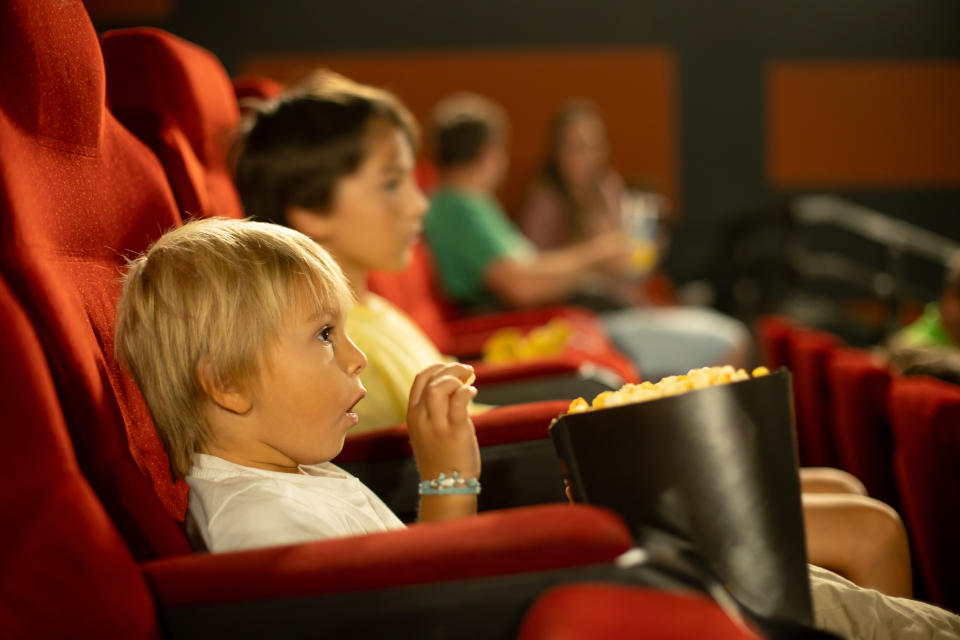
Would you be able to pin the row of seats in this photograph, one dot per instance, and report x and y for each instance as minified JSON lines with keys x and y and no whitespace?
{"x":91,"y":543}
{"x":899,"y":435}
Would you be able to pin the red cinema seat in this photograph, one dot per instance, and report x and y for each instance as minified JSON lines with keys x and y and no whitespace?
{"x":604,"y":611}
{"x":861,"y":421}
{"x":809,"y":354}
{"x":773,"y":340}
{"x":925,"y":417}
{"x":66,"y":572}
{"x":78,"y":193}
{"x":252,"y":87}
{"x":178,"y":99}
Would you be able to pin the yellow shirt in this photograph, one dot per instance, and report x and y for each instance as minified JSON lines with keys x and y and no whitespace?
{"x":397,"y":350}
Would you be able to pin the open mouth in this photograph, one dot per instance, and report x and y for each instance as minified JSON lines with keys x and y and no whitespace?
{"x":350,"y":413}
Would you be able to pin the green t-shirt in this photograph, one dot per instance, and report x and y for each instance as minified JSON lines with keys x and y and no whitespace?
{"x":466,"y":233}
{"x":926,"y":331}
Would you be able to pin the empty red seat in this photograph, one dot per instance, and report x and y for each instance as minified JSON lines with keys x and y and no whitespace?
{"x":773,"y":339}
{"x":809,"y":354}
{"x":925,"y":417}
{"x":177,"y":98}
{"x":861,"y":420}
{"x":256,"y":88}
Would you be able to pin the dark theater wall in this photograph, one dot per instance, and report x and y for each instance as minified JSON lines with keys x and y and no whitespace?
{"x":740,"y":68}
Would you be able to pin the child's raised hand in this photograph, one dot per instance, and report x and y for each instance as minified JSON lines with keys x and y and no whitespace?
{"x":441,"y":433}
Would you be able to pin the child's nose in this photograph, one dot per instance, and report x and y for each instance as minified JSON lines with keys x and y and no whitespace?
{"x":418,"y":203}
{"x":356,"y":360}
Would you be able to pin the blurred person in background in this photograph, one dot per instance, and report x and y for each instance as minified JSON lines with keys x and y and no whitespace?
{"x":931,"y":344}
{"x":485,"y":261}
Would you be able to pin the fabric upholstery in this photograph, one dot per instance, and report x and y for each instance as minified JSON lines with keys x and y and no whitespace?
{"x":502,"y":425}
{"x":810,"y":353}
{"x":66,"y":572}
{"x":78,"y":193}
{"x":925,"y":417}
{"x":861,"y":421}
{"x":256,"y":88}
{"x":773,"y":337}
{"x":177,"y":97}
{"x":490,"y":544}
{"x":605,"y":611}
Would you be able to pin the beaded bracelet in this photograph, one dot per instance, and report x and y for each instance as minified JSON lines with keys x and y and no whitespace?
{"x":445,"y":486}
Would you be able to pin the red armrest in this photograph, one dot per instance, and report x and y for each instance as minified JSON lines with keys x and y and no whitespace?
{"x":553,"y":366}
{"x":598,"y":611}
{"x":492,"y":544}
{"x":502,"y":425}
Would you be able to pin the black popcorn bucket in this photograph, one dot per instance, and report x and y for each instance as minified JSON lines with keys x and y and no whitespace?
{"x":712,"y":470}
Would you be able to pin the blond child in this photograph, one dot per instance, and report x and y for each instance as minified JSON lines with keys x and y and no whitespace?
{"x":234,"y":333}
{"x":334,"y":160}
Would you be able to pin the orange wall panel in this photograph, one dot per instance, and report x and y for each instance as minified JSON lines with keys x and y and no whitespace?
{"x":634,"y":88}
{"x":877,"y":124}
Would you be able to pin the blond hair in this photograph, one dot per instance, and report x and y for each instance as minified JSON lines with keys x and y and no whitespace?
{"x":214,"y":293}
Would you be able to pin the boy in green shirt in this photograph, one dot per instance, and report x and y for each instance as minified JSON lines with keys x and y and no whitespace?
{"x":485,"y":261}
{"x":930,"y":344}
{"x":482,"y":257}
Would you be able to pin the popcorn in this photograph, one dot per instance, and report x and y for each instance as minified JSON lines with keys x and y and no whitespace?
{"x":669,"y":386}
{"x":510,"y":345}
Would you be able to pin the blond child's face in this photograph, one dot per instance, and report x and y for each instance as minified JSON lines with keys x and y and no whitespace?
{"x":303,"y":398}
{"x":377,"y":212}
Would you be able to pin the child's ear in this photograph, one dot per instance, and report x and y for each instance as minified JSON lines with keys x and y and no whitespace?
{"x":227,"y":396}
{"x":309,"y":222}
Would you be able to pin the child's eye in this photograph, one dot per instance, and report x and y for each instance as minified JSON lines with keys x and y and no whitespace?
{"x":325,"y":334}
{"x":392,"y":185}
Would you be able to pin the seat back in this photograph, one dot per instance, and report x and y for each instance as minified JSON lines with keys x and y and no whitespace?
{"x":178,"y":99}
{"x":256,"y":88}
{"x":809,"y":355}
{"x":861,"y":421}
{"x":417,"y":293}
{"x":78,"y":193}
{"x":773,"y":339}
{"x":66,"y":571}
{"x":925,"y":417}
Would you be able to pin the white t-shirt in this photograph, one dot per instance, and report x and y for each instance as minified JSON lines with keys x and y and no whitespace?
{"x":238,"y":507}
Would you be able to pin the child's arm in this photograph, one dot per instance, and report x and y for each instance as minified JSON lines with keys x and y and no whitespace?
{"x":443,"y":437}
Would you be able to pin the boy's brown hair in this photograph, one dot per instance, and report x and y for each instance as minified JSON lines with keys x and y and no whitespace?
{"x":214,"y":294}
{"x":463,"y":124}
{"x":294,"y":150}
